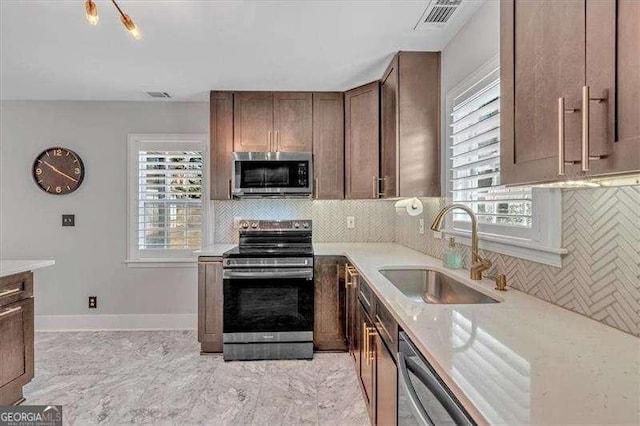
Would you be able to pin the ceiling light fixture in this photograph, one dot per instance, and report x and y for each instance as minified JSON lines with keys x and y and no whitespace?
{"x":92,"y":12}
{"x":92,"y":17}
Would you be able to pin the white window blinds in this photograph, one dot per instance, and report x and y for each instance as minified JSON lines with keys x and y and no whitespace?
{"x":474,"y":160}
{"x":169,"y":198}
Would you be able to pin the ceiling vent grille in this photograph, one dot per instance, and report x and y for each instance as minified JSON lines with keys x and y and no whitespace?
{"x":159,"y":95}
{"x":437,"y":13}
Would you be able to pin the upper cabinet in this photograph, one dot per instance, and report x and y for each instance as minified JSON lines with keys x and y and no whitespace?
{"x":221,"y":144}
{"x":362,"y":141}
{"x":253,"y":122}
{"x":575,"y":83}
{"x":410,"y":126}
{"x":292,"y":121}
{"x":328,"y":145}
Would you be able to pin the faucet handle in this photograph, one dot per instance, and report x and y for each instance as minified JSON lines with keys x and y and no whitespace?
{"x":501,"y":282}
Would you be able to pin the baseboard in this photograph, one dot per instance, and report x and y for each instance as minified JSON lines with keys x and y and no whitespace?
{"x":116,"y":322}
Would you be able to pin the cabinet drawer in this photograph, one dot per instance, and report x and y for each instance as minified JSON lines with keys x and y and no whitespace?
{"x":366,"y":296}
{"x":16,"y":350}
{"x":16,"y":287}
{"x":387,"y":326}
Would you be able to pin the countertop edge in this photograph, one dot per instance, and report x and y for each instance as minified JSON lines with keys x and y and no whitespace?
{"x":17,"y":266}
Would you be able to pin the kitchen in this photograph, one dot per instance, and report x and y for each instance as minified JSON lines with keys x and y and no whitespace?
{"x":306,"y":282}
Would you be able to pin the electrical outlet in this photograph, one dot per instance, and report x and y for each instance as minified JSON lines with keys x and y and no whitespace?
{"x":93,"y":302}
{"x":351,"y":222}
{"x":437,"y":235}
{"x":421,"y":226}
{"x":236,"y":222}
{"x":68,"y":220}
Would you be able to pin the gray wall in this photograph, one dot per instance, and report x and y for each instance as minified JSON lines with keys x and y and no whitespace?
{"x":90,"y":257}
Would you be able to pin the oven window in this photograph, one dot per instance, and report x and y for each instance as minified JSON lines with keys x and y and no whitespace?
{"x":268,"y":305}
{"x":274,"y":174}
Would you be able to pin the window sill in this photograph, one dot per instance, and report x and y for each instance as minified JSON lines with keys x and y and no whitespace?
{"x":513,"y":247}
{"x":161,"y":263}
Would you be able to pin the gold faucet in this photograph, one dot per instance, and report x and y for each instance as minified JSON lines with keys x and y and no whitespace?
{"x":478,"y":264}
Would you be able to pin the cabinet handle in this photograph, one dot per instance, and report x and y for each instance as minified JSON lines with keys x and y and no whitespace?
{"x":8,"y":293}
{"x":349,"y":272}
{"x":229,"y":189}
{"x":316,"y":187}
{"x":10,"y":311}
{"x":365,"y":341}
{"x":382,"y":187}
{"x":561,"y":112}
{"x":277,"y":140}
{"x":269,"y":139}
{"x":371,"y":353}
{"x":586,"y":98}
{"x":375,"y":187}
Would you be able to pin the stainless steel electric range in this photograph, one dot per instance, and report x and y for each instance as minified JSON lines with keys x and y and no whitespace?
{"x":268,"y":292}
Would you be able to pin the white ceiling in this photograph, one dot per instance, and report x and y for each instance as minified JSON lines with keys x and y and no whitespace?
{"x":49,"y":51}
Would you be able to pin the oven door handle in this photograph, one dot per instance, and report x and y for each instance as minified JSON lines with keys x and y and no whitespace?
{"x":263,"y":273}
{"x":403,"y":377}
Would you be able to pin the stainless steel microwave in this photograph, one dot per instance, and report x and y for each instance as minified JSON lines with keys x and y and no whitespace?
{"x":272,"y":174}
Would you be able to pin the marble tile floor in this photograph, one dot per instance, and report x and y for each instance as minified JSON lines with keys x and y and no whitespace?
{"x":159,"y":377}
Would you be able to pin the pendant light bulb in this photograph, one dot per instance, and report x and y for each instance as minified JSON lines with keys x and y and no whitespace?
{"x":92,"y":12}
{"x":130,"y":26}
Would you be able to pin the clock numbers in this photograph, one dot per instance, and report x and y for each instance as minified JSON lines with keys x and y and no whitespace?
{"x":58,"y":189}
{"x":38,"y":171}
{"x":77,"y":170}
{"x":57,"y":152}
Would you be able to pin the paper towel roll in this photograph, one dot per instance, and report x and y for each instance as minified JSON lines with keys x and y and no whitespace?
{"x":409,"y":207}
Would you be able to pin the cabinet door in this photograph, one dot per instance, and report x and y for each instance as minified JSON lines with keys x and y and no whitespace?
{"x":362,"y":141}
{"x":329,"y":301}
{"x":221,"y":144}
{"x":328,"y":145}
{"x":367,"y":361}
{"x":613,"y":74}
{"x":351,"y":309}
{"x":542,"y":59}
{"x":292,"y":121}
{"x":210,"y":308}
{"x":386,"y":385}
{"x":389,"y":137}
{"x":253,"y":121}
{"x":16,"y":350}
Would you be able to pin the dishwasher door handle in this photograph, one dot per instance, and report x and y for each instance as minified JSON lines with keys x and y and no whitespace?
{"x":414,"y":402}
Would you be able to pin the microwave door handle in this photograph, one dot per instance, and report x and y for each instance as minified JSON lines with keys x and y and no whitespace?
{"x":414,"y":402}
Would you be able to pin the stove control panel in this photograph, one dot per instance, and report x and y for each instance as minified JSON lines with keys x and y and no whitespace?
{"x":275,"y":225}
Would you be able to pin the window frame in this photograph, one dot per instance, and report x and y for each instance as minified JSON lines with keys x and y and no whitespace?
{"x":540,"y":243}
{"x":161,"y":258}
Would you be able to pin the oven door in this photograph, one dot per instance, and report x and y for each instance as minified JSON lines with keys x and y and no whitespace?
{"x":267,"y":301}
{"x":272,"y":173}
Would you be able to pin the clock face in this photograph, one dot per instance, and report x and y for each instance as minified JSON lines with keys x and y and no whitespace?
{"x":58,"y":171}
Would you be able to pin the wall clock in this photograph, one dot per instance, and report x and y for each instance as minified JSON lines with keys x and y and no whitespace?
{"x":58,"y":171}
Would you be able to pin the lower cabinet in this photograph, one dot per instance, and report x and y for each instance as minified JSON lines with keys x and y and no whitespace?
{"x":371,"y":332}
{"x":16,"y":336}
{"x":210,"y":307}
{"x":329,"y":304}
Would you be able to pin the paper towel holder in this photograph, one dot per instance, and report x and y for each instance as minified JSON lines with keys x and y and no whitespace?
{"x":412,"y":205}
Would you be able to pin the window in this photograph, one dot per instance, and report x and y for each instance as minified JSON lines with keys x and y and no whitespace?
{"x":165,"y":197}
{"x":523,"y":217}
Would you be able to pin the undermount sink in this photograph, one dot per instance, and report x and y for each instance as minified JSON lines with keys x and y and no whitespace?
{"x":429,"y":286}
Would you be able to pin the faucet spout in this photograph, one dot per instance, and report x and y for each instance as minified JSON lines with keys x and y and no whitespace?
{"x":478,"y":264}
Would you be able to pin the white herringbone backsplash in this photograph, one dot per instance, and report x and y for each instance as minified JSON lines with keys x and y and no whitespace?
{"x":600,"y":276}
{"x":374,"y":219}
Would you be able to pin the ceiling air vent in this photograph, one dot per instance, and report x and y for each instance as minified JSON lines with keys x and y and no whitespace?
{"x":437,"y":13}
{"x":159,"y":95}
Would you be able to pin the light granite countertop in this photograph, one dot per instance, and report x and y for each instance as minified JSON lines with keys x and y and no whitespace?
{"x":521,"y":361}
{"x":10,"y":267}
{"x":214,"y":250}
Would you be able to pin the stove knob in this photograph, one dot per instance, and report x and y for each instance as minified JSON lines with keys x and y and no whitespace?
{"x":296,"y":225}
{"x":305,"y":225}
{"x":254,"y":225}
{"x":244,"y":225}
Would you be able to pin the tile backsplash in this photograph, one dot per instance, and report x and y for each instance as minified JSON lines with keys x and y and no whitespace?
{"x":600,"y":276}
{"x":374,"y":219}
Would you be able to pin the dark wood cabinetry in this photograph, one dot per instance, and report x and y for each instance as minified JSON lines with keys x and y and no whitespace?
{"x":16,"y":336}
{"x":410,"y":126}
{"x":253,"y":121}
{"x":362,"y":141}
{"x":328,"y":145}
{"x":221,"y":144}
{"x":210,"y":307}
{"x":329,"y":301}
{"x":554,"y":50}
{"x":372,"y":336}
{"x":292,"y":121}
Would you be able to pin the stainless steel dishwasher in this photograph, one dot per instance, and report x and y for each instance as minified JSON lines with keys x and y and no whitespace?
{"x":423,"y":398}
